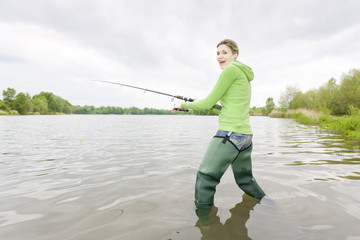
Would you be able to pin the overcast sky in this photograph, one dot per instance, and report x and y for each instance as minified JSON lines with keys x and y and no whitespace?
{"x":170,"y":46}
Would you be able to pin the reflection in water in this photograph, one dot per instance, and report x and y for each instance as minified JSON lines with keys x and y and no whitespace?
{"x":352,"y":161}
{"x":331,"y":150}
{"x":234,"y":228}
{"x":306,"y":147}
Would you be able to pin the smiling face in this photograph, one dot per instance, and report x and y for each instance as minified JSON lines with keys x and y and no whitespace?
{"x":225,"y":55}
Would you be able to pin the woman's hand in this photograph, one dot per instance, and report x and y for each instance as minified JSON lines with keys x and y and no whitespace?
{"x":176,"y":107}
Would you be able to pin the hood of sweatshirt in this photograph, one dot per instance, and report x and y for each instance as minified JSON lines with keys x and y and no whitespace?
{"x":246,"y":69}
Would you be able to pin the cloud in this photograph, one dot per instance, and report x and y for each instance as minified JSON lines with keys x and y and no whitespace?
{"x":170,"y":46}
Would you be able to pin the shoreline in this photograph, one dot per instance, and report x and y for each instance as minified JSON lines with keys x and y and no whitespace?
{"x":346,"y":125}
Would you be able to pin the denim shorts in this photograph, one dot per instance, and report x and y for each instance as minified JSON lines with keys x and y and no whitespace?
{"x":239,"y":140}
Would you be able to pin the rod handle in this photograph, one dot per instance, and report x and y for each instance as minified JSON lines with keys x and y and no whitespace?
{"x":217,"y":106}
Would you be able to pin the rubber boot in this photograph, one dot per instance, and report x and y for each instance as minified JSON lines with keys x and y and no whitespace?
{"x":243,"y":174}
{"x":217,"y":159}
{"x":219,"y":155}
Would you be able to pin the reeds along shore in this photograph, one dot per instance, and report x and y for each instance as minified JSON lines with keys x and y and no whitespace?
{"x":348,"y":125}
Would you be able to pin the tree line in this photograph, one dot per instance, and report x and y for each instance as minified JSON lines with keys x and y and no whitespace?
{"x":43,"y":103}
{"x":48,"y":103}
{"x":331,"y":97}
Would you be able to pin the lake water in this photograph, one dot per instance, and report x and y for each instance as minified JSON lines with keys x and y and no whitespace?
{"x":132,"y":177}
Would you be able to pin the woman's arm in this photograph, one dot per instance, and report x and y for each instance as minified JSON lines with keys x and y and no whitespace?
{"x":225,"y":80}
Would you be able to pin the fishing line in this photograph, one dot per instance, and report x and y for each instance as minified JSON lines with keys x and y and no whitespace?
{"x":157,"y":92}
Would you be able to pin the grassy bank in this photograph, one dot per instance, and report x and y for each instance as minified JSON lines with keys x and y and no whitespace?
{"x":348,"y":125}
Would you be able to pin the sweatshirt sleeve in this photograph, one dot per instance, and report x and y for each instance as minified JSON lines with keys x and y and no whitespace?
{"x":216,"y":111}
{"x":225,"y":80}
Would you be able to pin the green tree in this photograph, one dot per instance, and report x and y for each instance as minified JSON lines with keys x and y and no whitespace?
{"x":85,"y":109}
{"x":303,"y":100}
{"x":55,"y":103}
{"x":349,"y":92}
{"x":257,"y":111}
{"x":328,"y":97}
{"x":134,"y":110}
{"x":270,"y":105}
{"x":40,"y":105}
{"x":9,"y":97}
{"x":287,"y":96}
{"x":3,"y":106}
{"x":22,"y":103}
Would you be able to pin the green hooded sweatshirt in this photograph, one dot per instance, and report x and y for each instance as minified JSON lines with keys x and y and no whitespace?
{"x":233,"y":90}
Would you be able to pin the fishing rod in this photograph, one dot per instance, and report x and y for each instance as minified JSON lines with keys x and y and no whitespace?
{"x":157,"y":92}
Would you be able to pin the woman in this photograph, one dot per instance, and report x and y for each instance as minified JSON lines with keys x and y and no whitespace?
{"x":232,"y":144}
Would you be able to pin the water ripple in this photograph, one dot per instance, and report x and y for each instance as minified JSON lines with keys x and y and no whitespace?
{"x":72,"y":177}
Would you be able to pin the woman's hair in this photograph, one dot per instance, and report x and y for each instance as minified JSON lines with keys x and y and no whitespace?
{"x":231,"y":44}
